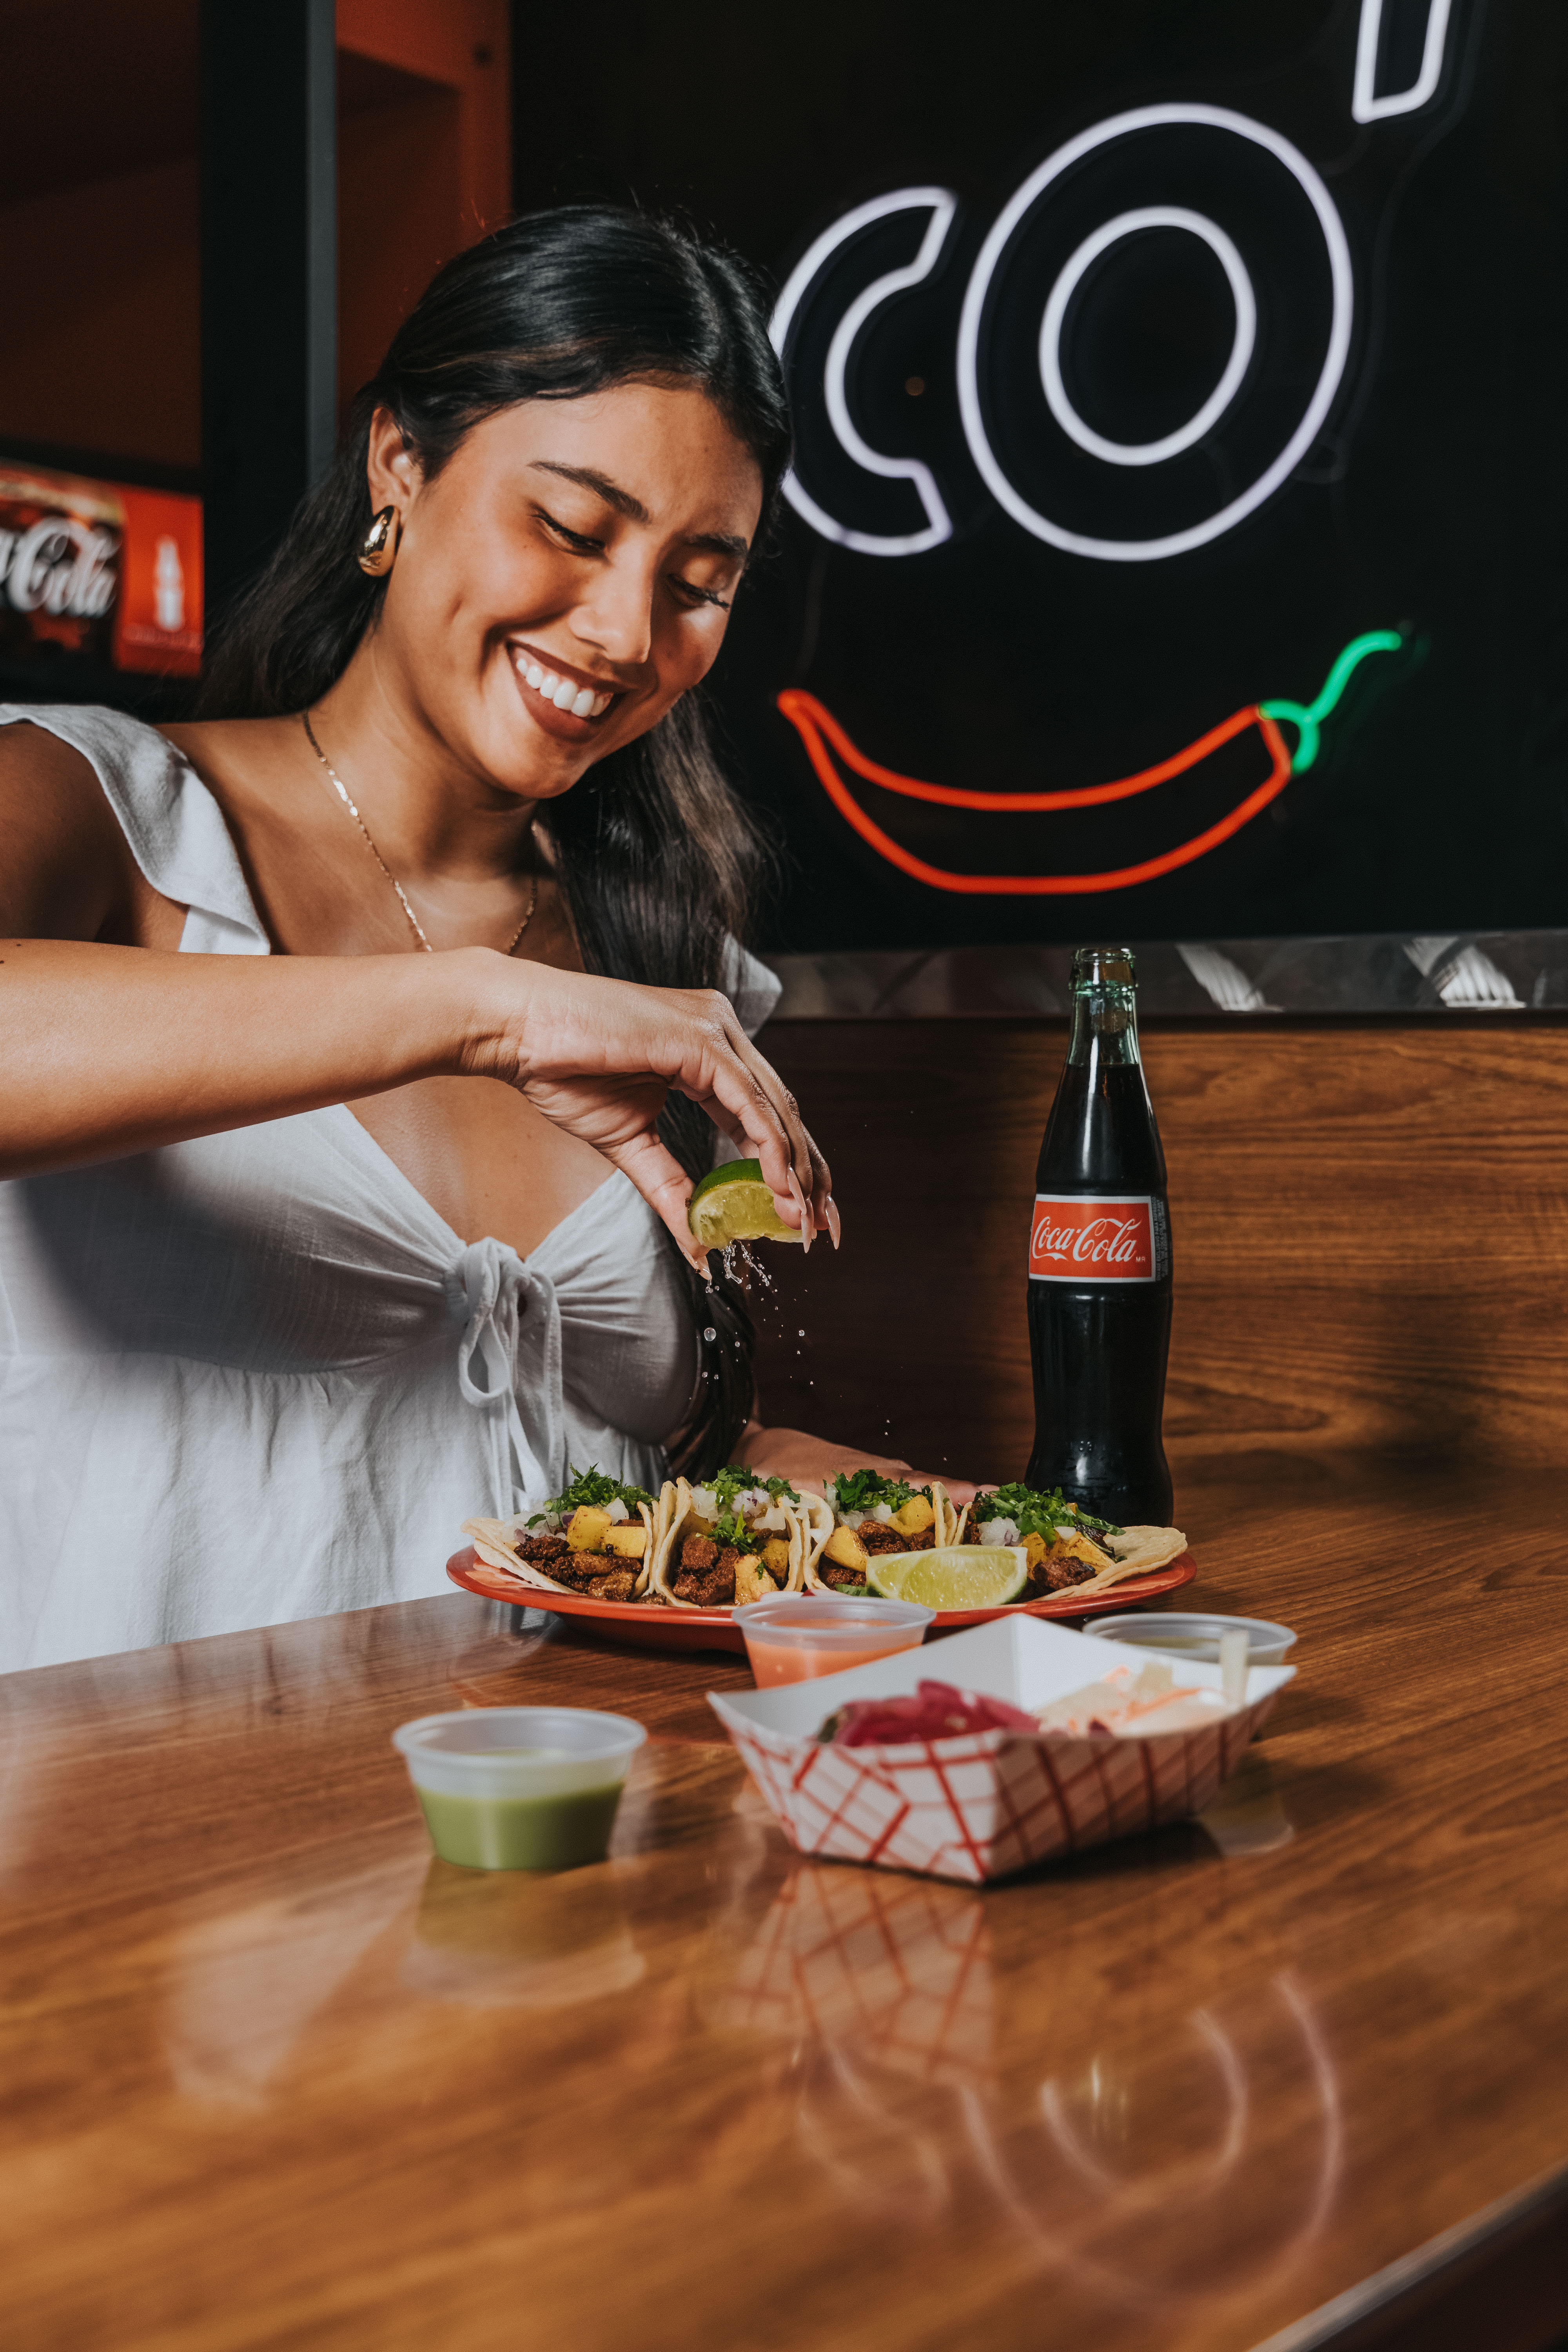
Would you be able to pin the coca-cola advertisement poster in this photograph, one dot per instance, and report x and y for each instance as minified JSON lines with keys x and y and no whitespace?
{"x":98,"y":569}
{"x":1176,"y":543}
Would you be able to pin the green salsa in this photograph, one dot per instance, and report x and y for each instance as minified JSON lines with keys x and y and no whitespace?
{"x":522,"y":1833}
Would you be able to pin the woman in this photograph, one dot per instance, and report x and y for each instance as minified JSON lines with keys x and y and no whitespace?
{"x":357,"y":1037}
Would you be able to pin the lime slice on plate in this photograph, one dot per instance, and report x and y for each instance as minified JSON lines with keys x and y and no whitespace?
{"x":732,"y":1204}
{"x":951,"y":1576}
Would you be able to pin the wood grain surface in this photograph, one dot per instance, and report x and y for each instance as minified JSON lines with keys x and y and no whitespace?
{"x":1370,"y":1226}
{"x":271,"y":2076}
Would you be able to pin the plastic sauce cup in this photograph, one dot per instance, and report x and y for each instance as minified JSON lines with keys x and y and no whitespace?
{"x":796,"y":1636}
{"x":1184,"y":1634}
{"x":519,"y":1788}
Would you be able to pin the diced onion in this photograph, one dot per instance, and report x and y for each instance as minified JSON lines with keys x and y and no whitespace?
{"x":705,"y":1502}
{"x":998,"y":1531}
{"x":772,"y":1521}
{"x":883,"y":1512}
{"x":852,"y":1519}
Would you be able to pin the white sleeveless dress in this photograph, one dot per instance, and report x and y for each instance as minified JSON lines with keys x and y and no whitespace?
{"x":255,"y":1377}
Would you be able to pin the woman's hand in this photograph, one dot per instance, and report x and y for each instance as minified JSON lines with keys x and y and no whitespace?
{"x":597,"y":1057}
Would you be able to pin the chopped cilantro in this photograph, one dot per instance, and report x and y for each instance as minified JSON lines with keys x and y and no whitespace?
{"x":594,"y":1487}
{"x":1035,"y":1514}
{"x":862,"y":1490}
{"x":736,"y":1479}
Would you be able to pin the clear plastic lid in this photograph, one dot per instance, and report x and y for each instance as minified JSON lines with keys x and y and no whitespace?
{"x":518,"y":1751}
{"x":1193,"y":1634}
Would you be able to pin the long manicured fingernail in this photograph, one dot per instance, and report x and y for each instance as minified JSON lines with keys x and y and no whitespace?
{"x":807,"y":1228}
{"x":835,"y":1229}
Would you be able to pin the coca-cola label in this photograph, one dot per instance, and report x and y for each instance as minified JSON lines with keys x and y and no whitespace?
{"x":1098,"y":1238}
{"x":99,"y":570}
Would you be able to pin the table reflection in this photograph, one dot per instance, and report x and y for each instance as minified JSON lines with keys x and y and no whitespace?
{"x":531,"y":1939}
{"x":243,"y":1987}
{"x":1121,"y":2137}
{"x":1211,"y":2148}
{"x":897,"y":1968}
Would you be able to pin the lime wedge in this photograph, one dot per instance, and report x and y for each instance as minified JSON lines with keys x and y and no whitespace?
{"x":951,"y":1576}
{"x":732,"y":1204}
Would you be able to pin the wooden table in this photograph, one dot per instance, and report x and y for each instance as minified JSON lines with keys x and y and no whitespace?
{"x":271,"y":2075}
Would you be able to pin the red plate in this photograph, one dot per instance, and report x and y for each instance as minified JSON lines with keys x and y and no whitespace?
{"x":715,"y":1629}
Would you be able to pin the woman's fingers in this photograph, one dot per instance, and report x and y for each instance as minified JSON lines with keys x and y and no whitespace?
{"x":770,"y":1118}
{"x":665,"y":1186}
{"x":596,"y":1055}
{"x":811,"y":1177}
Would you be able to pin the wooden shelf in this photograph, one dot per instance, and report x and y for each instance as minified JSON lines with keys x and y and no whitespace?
{"x":100,"y":206}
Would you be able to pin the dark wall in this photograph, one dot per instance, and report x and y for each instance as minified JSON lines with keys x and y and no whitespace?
{"x":1431,"y":500}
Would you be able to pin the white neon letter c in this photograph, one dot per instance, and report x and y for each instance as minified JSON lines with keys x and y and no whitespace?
{"x":941,"y":205}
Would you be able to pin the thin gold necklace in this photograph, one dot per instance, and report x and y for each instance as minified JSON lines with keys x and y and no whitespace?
{"x":401,"y":898}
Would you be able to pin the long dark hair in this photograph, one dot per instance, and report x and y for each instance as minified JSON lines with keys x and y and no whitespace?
{"x":659,"y":860}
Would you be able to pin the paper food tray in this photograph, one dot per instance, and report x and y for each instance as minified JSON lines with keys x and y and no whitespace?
{"x":987,"y":1802}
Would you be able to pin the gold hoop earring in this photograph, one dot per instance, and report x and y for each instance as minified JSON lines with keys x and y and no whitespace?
{"x":378,"y":549}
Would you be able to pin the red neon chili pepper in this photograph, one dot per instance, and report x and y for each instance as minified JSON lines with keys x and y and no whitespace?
{"x":814,"y":722}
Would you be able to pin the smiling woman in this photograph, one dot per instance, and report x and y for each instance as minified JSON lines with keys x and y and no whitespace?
{"x":363,"y":1039}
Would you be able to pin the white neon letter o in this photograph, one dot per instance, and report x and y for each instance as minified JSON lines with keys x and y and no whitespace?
{"x":1145,"y":551}
{"x":1109,"y":233}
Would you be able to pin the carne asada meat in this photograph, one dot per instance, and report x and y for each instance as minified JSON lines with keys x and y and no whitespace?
{"x":602,"y":1575}
{"x":706,"y":1575}
{"x":542,"y":1551}
{"x":618,"y":1582}
{"x":1057,"y":1575}
{"x":874,"y":1537}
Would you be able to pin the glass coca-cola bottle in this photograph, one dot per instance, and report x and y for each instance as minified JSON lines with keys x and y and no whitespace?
{"x":1099,"y":1265}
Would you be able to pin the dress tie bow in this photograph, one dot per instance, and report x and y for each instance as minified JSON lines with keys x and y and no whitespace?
{"x":511,"y":1340}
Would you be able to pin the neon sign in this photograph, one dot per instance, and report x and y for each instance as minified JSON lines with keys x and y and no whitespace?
{"x":1365,"y":107}
{"x":823,"y":736}
{"x":942,"y":206}
{"x":1073,"y":270}
{"x":986,"y":323}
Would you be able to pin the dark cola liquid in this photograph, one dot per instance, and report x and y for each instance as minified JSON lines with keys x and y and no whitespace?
{"x":1098,"y":1346}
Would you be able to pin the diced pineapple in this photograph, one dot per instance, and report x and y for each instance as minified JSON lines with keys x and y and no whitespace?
{"x":1034,"y":1551}
{"x":752,"y":1582}
{"x":629,"y":1539}
{"x":587,"y":1529}
{"x":1078,"y":1545}
{"x":776,"y":1558}
{"x":844,"y":1546}
{"x":916,"y":1516}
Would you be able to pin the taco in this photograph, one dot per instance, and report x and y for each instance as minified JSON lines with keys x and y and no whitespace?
{"x":1067,"y":1550}
{"x":598,"y":1538}
{"x":736,"y":1538}
{"x":865,"y":1515}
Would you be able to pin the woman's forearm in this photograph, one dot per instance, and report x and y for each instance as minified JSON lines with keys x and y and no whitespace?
{"x":807,"y":1461}
{"x":107,"y":1050}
